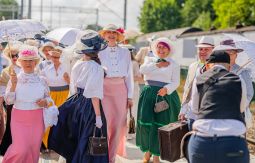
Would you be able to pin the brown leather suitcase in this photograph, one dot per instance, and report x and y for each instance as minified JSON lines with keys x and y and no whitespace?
{"x":170,"y":137}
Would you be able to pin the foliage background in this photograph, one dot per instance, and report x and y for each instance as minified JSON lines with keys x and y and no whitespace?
{"x":157,"y":15}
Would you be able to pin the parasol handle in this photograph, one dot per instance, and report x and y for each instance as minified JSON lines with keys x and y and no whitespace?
{"x":241,"y":67}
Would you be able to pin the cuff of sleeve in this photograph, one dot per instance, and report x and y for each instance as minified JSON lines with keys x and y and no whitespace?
{"x":183,"y":111}
{"x":49,"y":101}
{"x":169,"y":90}
{"x":10,"y":97}
{"x":93,"y":94}
{"x":130,"y":96}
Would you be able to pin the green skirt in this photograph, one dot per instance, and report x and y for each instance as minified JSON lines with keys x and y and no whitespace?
{"x":148,"y":121}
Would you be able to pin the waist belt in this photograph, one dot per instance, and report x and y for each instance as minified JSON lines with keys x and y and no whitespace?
{"x":80,"y":90}
{"x":60,"y":88}
{"x":155,"y":83}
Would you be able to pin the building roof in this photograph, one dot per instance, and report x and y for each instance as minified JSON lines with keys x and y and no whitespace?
{"x":213,"y":32}
{"x":168,"y":33}
{"x":190,"y":32}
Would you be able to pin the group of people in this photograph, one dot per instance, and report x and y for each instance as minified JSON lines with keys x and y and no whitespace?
{"x":102,"y":86}
{"x":215,"y":103}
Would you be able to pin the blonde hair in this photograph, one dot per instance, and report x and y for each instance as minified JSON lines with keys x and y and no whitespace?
{"x":8,"y":49}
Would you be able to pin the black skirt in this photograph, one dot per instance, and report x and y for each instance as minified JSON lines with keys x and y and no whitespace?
{"x":7,"y":138}
{"x":76,"y":123}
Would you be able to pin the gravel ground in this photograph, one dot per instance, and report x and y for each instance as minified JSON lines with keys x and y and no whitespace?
{"x":251,"y":131}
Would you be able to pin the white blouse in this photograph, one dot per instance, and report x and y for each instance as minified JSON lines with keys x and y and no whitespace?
{"x":117,"y":63}
{"x":55,"y":78}
{"x":44,"y":64}
{"x":29,"y":89}
{"x":169,"y":74}
{"x":89,"y":76}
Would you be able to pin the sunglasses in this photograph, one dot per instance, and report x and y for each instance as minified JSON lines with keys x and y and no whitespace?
{"x":15,"y":56}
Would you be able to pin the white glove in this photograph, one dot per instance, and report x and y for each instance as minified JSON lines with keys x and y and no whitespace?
{"x":99,"y":122}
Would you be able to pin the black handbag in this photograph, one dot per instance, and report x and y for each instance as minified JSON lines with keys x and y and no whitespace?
{"x":97,"y":145}
{"x":131,"y":124}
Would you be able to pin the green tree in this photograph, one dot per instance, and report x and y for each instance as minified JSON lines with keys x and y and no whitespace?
{"x":159,"y":15}
{"x":230,"y":12}
{"x":8,"y":14}
{"x":203,"y":21}
{"x":94,"y":27}
{"x":195,"y":12}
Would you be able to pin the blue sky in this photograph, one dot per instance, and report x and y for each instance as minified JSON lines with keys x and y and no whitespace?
{"x":110,"y":11}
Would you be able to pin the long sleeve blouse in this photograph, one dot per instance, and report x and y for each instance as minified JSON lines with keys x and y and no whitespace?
{"x":117,"y":63}
{"x":169,"y":74}
{"x":87,"y":75}
{"x":29,"y":89}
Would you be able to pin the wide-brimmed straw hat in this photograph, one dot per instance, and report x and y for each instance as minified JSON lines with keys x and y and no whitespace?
{"x":90,"y":42}
{"x":28,"y":52}
{"x":47,"y":44}
{"x":114,"y":28}
{"x":164,"y":40}
{"x":205,"y":42}
{"x":227,"y":44}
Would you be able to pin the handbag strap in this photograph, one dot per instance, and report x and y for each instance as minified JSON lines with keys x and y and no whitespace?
{"x":130,"y":113}
{"x":208,"y":83}
{"x":157,"y":98}
{"x":94,"y":132}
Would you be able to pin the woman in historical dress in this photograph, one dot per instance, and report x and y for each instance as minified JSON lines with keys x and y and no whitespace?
{"x":30,"y":94}
{"x":162,"y":77}
{"x":82,"y":112}
{"x":58,"y":80}
{"x":118,"y":89}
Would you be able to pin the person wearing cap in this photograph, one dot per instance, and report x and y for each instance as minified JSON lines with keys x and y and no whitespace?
{"x":205,"y":47}
{"x":219,"y":128}
{"x":229,"y":46}
{"x":11,"y":53}
{"x":44,"y":52}
{"x":118,"y":89}
{"x":58,"y":80}
{"x":162,"y":78}
{"x":30,"y":94}
{"x":81,"y":114}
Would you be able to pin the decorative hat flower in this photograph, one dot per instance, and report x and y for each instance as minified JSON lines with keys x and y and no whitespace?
{"x":28,"y":53}
{"x":121,"y":30}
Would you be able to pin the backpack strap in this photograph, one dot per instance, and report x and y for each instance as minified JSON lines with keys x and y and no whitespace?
{"x":209,"y":82}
